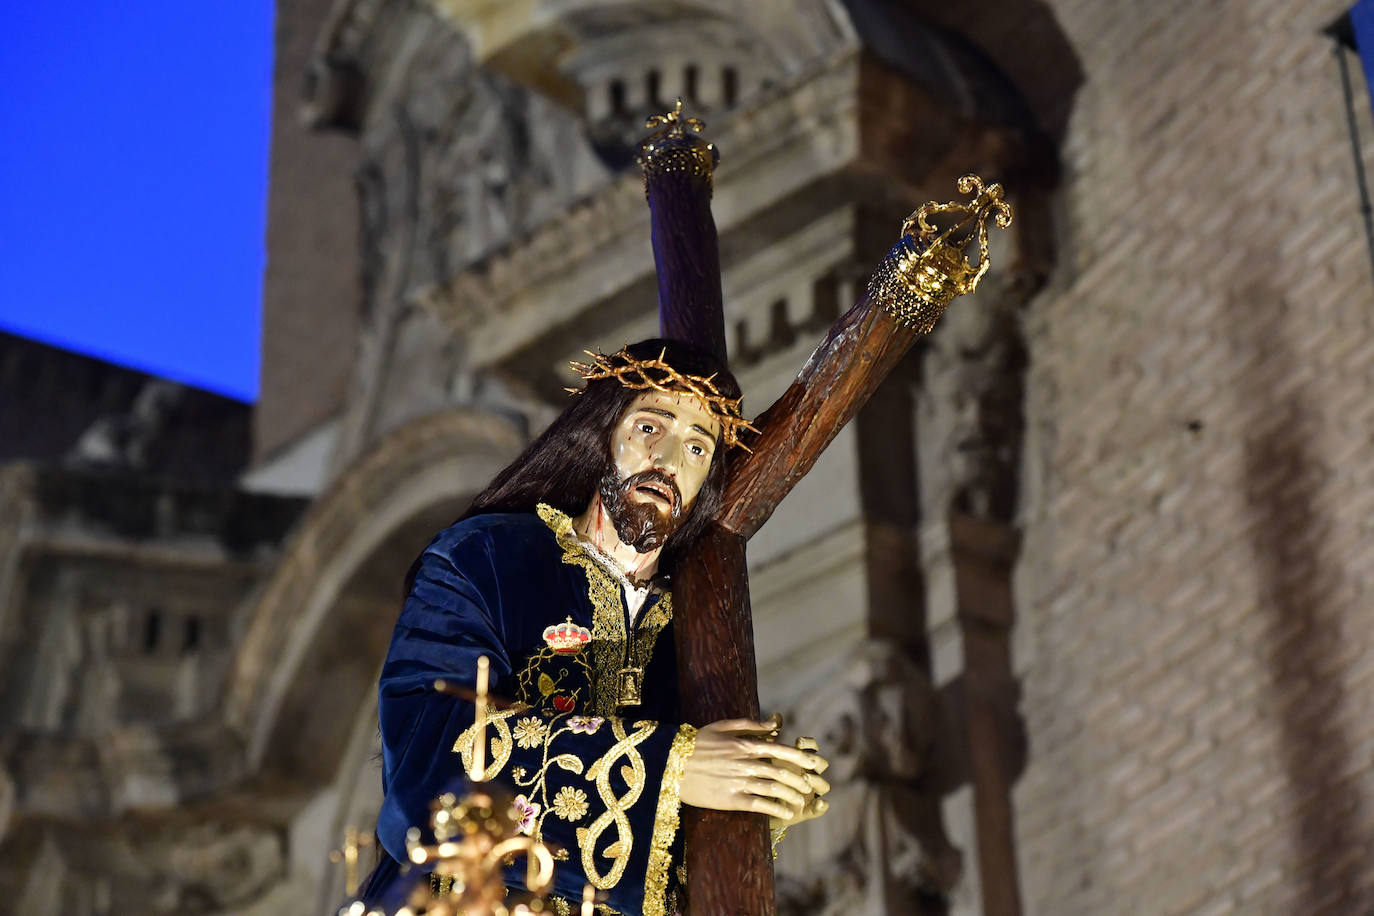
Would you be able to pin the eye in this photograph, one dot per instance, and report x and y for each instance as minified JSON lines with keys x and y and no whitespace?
{"x":644,"y":426}
{"x":696,"y":449}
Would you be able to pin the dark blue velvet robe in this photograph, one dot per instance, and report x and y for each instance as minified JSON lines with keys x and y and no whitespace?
{"x":600,"y":782}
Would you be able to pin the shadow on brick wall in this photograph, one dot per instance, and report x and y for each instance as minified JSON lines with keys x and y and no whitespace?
{"x":1300,"y":578}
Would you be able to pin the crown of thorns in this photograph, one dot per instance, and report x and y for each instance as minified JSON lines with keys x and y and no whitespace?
{"x":643,"y":374}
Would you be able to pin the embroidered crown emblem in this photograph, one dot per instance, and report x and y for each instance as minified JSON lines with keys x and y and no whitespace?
{"x":567,"y":638}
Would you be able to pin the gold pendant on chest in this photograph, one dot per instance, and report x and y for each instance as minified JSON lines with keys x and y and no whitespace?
{"x":630,"y":683}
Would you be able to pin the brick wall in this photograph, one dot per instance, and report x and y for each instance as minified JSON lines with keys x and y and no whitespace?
{"x":311,"y":291}
{"x":1196,"y":623}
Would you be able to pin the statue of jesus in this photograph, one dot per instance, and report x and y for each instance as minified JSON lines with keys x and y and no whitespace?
{"x":560,"y":573}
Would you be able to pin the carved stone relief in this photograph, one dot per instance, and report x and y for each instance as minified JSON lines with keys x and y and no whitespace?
{"x":874,"y":713}
{"x":457,"y":161}
{"x":971,"y":408}
{"x":971,"y":414}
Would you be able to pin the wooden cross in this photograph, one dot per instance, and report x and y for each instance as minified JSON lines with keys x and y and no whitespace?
{"x":729,"y":863}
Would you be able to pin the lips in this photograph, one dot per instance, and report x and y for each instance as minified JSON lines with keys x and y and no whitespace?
{"x":657,"y":491}
{"x":643,"y":521}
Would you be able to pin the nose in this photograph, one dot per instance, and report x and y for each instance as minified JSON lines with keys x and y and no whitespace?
{"x":665,"y":454}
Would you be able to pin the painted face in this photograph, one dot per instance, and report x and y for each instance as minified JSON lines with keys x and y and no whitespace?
{"x":661,"y":452}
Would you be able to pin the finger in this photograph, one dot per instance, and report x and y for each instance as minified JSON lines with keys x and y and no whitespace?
{"x":742,"y":727}
{"x":814,"y":809}
{"x":817,"y":784}
{"x":760,"y":805}
{"x":818,"y":763}
{"x":783,"y":774}
{"x":807,"y":760}
{"x":789,"y":796}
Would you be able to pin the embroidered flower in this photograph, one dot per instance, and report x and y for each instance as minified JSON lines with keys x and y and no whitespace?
{"x":529,"y":731}
{"x":584,"y":725}
{"x":525,"y":812}
{"x":518,"y":773}
{"x":570,"y":804}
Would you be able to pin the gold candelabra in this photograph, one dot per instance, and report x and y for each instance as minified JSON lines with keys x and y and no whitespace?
{"x":354,"y":842}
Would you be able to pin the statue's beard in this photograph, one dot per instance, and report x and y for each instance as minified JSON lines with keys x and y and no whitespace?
{"x":644,"y":525}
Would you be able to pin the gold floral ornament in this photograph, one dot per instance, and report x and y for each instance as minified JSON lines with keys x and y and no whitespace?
{"x":570,"y":804}
{"x":529,"y":732}
{"x":927,"y":269}
{"x":656,"y":374}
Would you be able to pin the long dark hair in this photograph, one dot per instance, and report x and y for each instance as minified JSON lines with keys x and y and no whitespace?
{"x":564,"y":465}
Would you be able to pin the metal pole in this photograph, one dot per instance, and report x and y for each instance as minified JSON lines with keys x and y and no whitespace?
{"x":1366,"y":211}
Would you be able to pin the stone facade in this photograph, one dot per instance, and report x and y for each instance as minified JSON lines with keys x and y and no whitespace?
{"x":62,"y":408}
{"x":1075,"y":604}
{"x":128,"y":558}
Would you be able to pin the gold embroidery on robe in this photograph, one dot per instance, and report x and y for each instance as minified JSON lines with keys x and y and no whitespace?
{"x":499,"y":745}
{"x":554,"y":682}
{"x":608,"y":622}
{"x":635,"y":777}
{"x":529,"y":732}
{"x":666,"y":822}
{"x":609,"y":639}
{"x":563,"y":907}
{"x":645,"y":637}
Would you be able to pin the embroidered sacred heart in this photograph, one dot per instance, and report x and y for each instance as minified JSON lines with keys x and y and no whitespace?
{"x":563,"y":704}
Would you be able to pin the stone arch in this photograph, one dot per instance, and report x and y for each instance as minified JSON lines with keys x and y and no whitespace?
{"x":351,"y":801}
{"x":319,"y":628}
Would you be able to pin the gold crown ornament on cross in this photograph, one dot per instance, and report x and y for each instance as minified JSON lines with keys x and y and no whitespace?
{"x":674,"y":148}
{"x":927,"y":269}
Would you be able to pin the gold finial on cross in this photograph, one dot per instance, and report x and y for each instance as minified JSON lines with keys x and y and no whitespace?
{"x":348,"y":855}
{"x":927,"y":269}
{"x":674,"y":149}
{"x":988,"y":202}
{"x":673,"y":124}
